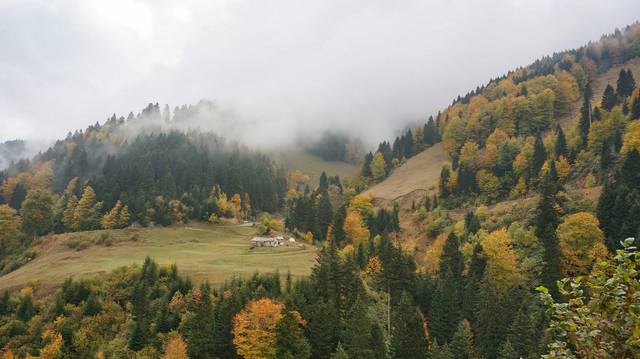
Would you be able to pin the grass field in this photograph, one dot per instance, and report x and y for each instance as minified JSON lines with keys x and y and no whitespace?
{"x":313,"y":165}
{"x":201,"y":251}
{"x":420,"y":172}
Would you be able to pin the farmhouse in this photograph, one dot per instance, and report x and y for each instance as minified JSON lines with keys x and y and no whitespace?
{"x":264,"y":242}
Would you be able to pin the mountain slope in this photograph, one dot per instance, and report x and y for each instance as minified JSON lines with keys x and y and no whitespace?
{"x":419,"y":173}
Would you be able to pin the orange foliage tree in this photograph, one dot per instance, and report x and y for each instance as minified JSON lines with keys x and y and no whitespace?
{"x":254,"y":329}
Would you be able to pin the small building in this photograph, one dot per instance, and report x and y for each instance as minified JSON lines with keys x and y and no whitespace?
{"x":264,"y":242}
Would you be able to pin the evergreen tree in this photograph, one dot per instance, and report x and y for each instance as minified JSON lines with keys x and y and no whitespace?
{"x":18,"y":196}
{"x":539,"y":156}
{"x":324,"y":184}
{"x":440,"y":352}
{"x":139,"y":335}
{"x":507,"y":351}
{"x":290,"y":342}
{"x":360,"y":336}
{"x":366,"y":165}
{"x":561,"y":143}
{"x":91,"y":306}
{"x":324,"y":216}
{"x":635,"y":108}
{"x":323,"y":329}
{"x":609,"y":98}
{"x":337,"y":228}
{"x":461,"y":345}
{"x":625,"y":83}
{"x":585,"y":115}
{"x":199,"y":329}
{"x":407,"y":331}
{"x":546,"y":222}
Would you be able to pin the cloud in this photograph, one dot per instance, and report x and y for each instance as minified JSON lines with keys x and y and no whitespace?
{"x":281,"y":66}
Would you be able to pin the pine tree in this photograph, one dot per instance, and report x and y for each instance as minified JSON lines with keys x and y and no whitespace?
{"x":366,"y":165}
{"x":625,"y":83}
{"x":110,"y":220}
{"x":561,"y":143}
{"x":585,"y":115}
{"x":340,"y":353}
{"x":18,"y":196}
{"x":324,"y":184}
{"x":337,"y":228}
{"x":461,"y":345}
{"x":546,"y":222}
{"x":37,"y":212}
{"x":359,"y":336}
{"x":324,"y":216}
{"x":290,"y":343}
{"x":635,"y":108}
{"x":609,"y":98}
{"x":539,"y":156}
{"x":199,"y":329}
{"x":440,"y":352}
{"x":138,"y":337}
{"x":507,"y":351}
{"x":323,"y":329}
{"x":407,"y":331}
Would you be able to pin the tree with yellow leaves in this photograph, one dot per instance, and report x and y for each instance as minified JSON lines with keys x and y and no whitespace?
{"x":254,"y":329}
{"x":110,"y":220}
{"x":378,"y":166}
{"x":43,"y":177}
{"x":563,"y":168}
{"x":632,"y":138}
{"x":469,"y":154}
{"x":10,"y":224}
{"x":53,"y":349}
{"x":175,"y":348}
{"x":581,"y":242}
{"x":355,"y":231}
{"x":502,"y":267}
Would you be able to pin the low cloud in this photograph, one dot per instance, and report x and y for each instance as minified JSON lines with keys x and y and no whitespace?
{"x":277,"y":68}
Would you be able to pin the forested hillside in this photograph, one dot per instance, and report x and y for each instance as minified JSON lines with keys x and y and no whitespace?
{"x":543,"y":184}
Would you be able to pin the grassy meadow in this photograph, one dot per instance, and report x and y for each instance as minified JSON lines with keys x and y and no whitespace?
{"x":201,"y":251}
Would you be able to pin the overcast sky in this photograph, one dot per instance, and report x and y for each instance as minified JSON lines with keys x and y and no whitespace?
{"x":281,"y":65}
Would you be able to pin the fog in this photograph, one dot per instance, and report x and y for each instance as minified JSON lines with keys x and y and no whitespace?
{"x":275,"y":68}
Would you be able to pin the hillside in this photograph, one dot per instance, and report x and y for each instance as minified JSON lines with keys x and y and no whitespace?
{"x":211,"y":253}
{"x":313,"y":165}
{"x":419,"y":173}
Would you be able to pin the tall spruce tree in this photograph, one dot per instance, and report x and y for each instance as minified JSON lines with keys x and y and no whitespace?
{"x":546,"y":222}
{"x":609,"y":98}
{"x":407,"y":330}
{"x":585,"y":115}
{"x":561,"y":143}
{"x":290,"y":342}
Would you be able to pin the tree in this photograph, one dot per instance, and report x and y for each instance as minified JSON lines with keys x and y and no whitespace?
{"x":560,"y":148}
{"x":581,"y":242}
{"x":631,"y":138}
{"x":461,"y":345}
{"x":68,"y":214}
{"x":585,"y":115}
{"x":599,"y":319}
{"x":362,"y":337}
{"x":625,"y":83}
{"x":378,"y":167}
{"x":10,"y":224}
{"x":502,"y":268}
{"x":254,"y":329}
{"x":635,"y":108}
{"x":290,"y":342}
{"x":408,"y":338}
{"x":37,"y":212}
{"x":110,"y":220}
{"x":355,"y":231}
{"x":539,"y":155}
{"x":123,"y":217}
{"x":546,"y":222}
{"x":324,"y":216}
{"x":609,"y":98}
{"x":199,"y":328}
{"x":85,"y":212}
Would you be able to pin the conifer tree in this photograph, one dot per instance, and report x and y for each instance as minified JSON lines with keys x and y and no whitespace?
{"x":609,"y":98}
{"x":324,"y":183}
{"x":337,"y":228}
{"x":84,"y":210}
{"x":290,"y":342}
{"x":561,"y":143}
{"x":585,"y":115}
{"x":199,"y":329}
{"x":635,"y":108}
{"x":539,"y":156}
{"x":407,"y":331}
{"x":123,"y":217}
{"x":366,"y":165}
{"x":546,"y":222}
{"x":37,"y":212}
{"x":361,"y":335}
{"x":461,"y":345}
{"x":324,"y":216}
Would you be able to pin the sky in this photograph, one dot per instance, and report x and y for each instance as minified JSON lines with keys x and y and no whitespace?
{"x":280,"y":67}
